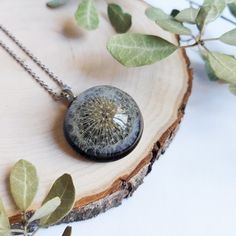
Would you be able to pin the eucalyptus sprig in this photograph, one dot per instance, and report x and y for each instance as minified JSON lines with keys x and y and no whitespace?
{"x":23,"y":187}
{"x":135,"y":49}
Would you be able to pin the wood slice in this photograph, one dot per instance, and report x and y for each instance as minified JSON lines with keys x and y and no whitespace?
{"x":31,"y":122}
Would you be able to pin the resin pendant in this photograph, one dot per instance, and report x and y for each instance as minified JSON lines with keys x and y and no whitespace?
{"x":103,"y":123}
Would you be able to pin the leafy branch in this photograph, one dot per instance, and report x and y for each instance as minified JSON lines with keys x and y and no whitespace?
{"x":23,"y":187}
{"x":132,"y":49}
{"x":136,"y":49}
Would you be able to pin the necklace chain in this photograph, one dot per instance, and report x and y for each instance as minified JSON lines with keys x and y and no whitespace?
{"x":66,"y":92}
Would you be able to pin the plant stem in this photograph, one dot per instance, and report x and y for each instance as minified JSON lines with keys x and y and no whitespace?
{"x":17,"y":231}
{"x":35,"y":231}
{"x":25,"y":224}
{"x":190,"y":45}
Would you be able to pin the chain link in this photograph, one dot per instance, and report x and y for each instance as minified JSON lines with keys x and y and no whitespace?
{"x":66,"y":92}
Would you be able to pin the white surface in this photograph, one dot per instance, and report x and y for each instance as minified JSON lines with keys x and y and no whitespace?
{"x":192,"y":188}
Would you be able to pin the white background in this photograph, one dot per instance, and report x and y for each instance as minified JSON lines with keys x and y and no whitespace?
{"x":192,"y":188}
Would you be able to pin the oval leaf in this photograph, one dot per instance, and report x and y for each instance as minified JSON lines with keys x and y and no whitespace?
{"x":210,"y":10}
{"x":224,"y":66}
{"x":120,"y":21}
{"x":56,"y":3}
{"x":229,"y":37}
{"x":174,"y":26}
{"x":47,"y":208}
{"x":132,"y":49}
{"x":167,"y":22}
{"x":210,"y":72}
{"x":4,"y":222}
{"x":232,"y":88}
{"x":23,"y":184}
{"x":232,"y":8}
{"x":174,"y":12}
{"x":86,"y":15}
{"x":67,"y":231}
{"x":187,"y":15}
{"x":65,"y":190}
{"x":155,"y":14}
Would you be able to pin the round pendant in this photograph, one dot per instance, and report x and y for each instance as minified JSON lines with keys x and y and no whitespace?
{"x":103,"y":123}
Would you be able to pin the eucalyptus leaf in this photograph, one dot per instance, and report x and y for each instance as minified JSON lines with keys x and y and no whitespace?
{"x":210,"y":72}
{"x":133,"y":49}
{"x":187,"y":15}
{"x":174,"y":12}
{"x":232,"y":88}
{"x":67,"y":231}
{"x":23,"y":184}
{"x":65,"y":190}
{"x":210,"y":10}
{"x":155,"y":14}
{"x":56,"y":3}
{"x":174,"y":26}
{"x":47,"y":208}
{"x":86,"y":15}
{"x":229,"y":37}
{"x":232,"y":8}
{"x":4,"y":222}
{"x":224,"y":66}
{"x":167,"y":22}
{"x":120,"y":20}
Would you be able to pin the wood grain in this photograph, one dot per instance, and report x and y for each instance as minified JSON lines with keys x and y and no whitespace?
{"x":31,"y":122}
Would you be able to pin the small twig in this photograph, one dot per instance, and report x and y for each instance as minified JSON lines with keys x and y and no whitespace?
{"x":186,"y":40}
{"x":192,"y":37}
{"x":223,"y":17}
{"x":24,"y":219}
{"x":190,"y":46}
{"x":35,"y":231}
{"x":19,"y":231}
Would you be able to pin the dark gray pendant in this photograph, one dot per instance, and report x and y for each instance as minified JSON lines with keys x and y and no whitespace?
{"x":103,"y":123}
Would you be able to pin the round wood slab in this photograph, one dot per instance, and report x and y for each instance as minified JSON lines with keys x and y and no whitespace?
{"x":31,"y":122}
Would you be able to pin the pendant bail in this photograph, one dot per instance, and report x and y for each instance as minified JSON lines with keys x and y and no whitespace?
{"x":67,"y":94}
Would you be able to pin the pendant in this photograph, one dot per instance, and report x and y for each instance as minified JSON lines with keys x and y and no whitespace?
{"x":103,"y":124}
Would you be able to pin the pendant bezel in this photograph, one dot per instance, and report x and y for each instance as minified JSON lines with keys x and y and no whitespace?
{"x":110,"y":152}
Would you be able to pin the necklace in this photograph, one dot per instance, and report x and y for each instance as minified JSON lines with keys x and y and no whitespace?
{"x":103,"y":123}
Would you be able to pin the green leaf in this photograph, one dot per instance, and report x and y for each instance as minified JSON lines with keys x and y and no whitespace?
{"x":67,"y":231}
{"x":210,"y":10}
{"x":23,"y":184}
{"x":56,"y":3}
{"x":224,"y":66}
{"x":133,"y":49}
{"x":47,"y":208}
{"x":229,"y":37}
{"x":232,"y":8}
{"x":86,"y":15}
{"x":167,"y":22}
{"x":155,"y":14}
{"x":174,"y":12}
{"x":232,"y":88}
{"x":120,"y":21}
{"x":187,"y":15}
{"x":65,"y":190}
{"x":174,"y":26}
{"x":210,"y":72}
{"x":4,"y":222}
